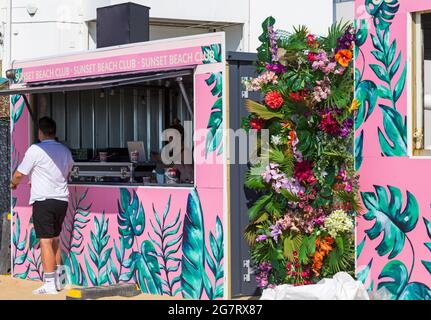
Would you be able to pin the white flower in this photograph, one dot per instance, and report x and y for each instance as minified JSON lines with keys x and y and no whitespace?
{"x":276,"y":140}
{"x":338,"y":222}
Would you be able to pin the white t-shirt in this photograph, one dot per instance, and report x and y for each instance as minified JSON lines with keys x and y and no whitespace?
{"x":48,"y":163}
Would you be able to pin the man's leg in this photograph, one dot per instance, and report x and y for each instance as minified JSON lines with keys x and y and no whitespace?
{"x":59,"y":268}
{"x":57,"y":251}
{"x":48,"y":255}
{"x":48,"y":263}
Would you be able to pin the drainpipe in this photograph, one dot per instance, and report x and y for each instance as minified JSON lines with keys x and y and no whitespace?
{"x":334,"y":11}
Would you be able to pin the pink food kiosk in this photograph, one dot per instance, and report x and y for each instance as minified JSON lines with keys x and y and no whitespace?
{"x":131,"y":218}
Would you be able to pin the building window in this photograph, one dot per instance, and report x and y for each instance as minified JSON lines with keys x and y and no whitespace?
{"x":421,"y":54}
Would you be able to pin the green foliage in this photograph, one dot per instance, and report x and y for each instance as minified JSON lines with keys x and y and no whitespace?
{"x":334,"y":33}
{"x":263,"y":51}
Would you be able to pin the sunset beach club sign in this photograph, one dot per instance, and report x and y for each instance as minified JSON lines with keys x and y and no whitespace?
{"x":145,"y":61}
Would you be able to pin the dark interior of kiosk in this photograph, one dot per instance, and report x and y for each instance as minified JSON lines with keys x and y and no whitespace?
{"x":99,"y":124}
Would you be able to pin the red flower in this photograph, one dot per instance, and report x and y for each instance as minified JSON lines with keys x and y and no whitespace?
{"x":295,"y":254}
{"x":274,"y":100}
{"x":311,"y":40}
{"x":329,"y":124}
{"x":304,"y":172}
{"x":311,"y":57}
{"x":298,"y":96}
{"x":257,"y":123}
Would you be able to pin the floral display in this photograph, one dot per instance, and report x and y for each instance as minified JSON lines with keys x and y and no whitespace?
{"x":301,"y":225}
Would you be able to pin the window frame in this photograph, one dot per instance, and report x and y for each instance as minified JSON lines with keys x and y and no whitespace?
{"x":416,"y":96}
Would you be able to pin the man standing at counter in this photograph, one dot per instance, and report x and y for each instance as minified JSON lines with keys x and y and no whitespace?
{"x":49,"y":164}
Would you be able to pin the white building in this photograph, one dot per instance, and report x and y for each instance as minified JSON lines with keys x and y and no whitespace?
{"x":31,"y":28}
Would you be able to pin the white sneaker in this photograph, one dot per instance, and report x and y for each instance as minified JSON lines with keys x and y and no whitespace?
{"x":46,"y":289}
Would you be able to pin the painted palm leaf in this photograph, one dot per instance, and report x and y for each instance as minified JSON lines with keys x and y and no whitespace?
{"x":383,"y":12}
{"x":215,"y":262}
{"x":144,"y":268}
{"x":75,"y":222}
{"x":389,"y":219}
{"x":366,"y":93}
{"x":193,"y":248}
{"x":131,"y":217}
{"x":168,"y":242}
{"x":99,"y":252}
{"x":359,"y":146}
{"x":396,"y":131}
{"x":214,"y":136}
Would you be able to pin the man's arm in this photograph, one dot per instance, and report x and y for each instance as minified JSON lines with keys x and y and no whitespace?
{"x":16,"y":179}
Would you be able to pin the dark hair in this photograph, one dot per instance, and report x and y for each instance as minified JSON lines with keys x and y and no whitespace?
{"x":47,"y":126}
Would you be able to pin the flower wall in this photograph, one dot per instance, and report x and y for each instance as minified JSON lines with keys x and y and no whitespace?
{"x":394,"y":234}
{"x":302,"y":226}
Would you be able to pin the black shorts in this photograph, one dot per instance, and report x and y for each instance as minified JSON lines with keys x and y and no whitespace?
{"x":48,"y":217}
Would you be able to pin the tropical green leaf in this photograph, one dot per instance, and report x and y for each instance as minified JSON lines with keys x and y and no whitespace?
{"x":292,"y":243}
{"x":217,"y":80}
{"x":380,"y":72}
{"x":193,"y":248}
{"x":214,"y":137}
{"x":262,"y":111}
{"x":148,"y":269}
{"x":256,"y":210}
{"x":389,"y":219}
{"x":215,"y":261}
{"x":396,"y":132}
{"x":366,"y":93}
{"x":212,"y":54}
{"x":263,"y":51}
{"x":359,"y":145}
{"x":383,"y":12}
{"x":360,"y":247}
{"x":364,"y":273}
{"x":399,"y":87}
{"x":131,"y":217}
{"x":362,"y":33}
{"x":397,"y":271}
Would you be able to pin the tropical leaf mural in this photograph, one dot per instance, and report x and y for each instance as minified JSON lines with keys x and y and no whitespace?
{"x":99,"y":252}
{"x":144,"y":269}
{"x":383,"y":12}
{"x":427,"y":264}
{"x":193,"y":248}
{"x":131,"y":217}
{"x":214,"y":136}
{"x":72,"y":237}
{"x":34,"y":257}
{"x":19,"y":250}
{"x":396,"y":131}
{"x":389,"y":219}
{"x":359,"y":145}
{"x":215,"y":262}
{"x":212,"y":53}
{"x":168,"y":242}
{"x":400,"y":288}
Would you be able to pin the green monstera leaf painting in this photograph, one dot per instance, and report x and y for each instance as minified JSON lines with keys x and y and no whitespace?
{"x":144,"y":268}
{"x":383,"y":12}
{"x":400,"y":288}
{"x":396,"y":131}
{"x":131,"y":217}
{"x":214,"y":136}
{"x":389,"y":218}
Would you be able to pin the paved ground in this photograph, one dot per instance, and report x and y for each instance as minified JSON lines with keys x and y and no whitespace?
{"x":18,"y":289}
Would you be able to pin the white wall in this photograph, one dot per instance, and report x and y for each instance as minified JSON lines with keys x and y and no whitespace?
{"x":345,"y":11}
{"x":61,"y":26}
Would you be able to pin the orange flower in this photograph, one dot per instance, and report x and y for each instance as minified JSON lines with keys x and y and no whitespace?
{"x":344,"y":57}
